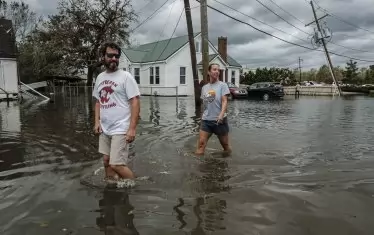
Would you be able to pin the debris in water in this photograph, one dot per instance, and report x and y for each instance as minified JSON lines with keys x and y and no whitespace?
{"x":98,"y":170}
{"x":43,"y":224}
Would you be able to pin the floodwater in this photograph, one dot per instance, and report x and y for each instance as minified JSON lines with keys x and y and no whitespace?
{"x":298,"y":167}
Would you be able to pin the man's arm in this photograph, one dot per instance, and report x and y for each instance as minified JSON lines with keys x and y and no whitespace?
{"x":135,"y":110}
{"x":97,"y":112}
{"x":96,"y":95}
{"x":133,"y":94}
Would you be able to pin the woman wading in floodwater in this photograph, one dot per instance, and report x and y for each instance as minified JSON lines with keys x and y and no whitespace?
{"x":214,"y":118}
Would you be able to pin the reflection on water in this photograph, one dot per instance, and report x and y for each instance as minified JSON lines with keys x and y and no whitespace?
{"x":10,"y":131}
{"x":154,"y":107}
{"x":116,"y":215}
{"x":10,"y":119}
{"x":299,"y":166}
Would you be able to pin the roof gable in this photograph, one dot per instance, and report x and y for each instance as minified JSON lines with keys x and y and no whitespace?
{"x":212,"y":57}
{"x":162,"y":50}
{"x":156,"y":51}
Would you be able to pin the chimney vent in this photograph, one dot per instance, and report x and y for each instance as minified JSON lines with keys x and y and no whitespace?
{"x":222,"y":47}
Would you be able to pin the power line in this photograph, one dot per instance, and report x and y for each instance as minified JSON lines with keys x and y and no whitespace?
{"x":175,"y":28}
{"x":283,"y":40}
{"x":353,"y":49}
{"x":342,"y":20}
{"x":142,"y":8}
{"x":287,"y":12}
{"x":261,"y":21}
{"x":162,"y":32}
{"x":149,"y":17}
{"x":281,"y":17}
{"x":282,"y":30}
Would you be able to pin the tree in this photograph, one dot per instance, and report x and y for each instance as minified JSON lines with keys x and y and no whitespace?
{"x":283,"y":75}
{"x":24,"y":23}
{"x":39,"y":59}
{"x":82,"y":26}
{"x":324,"y":75}
{"x":350,"y":73}
{"x":338,"y":73}
{"x":24,"y":20}
{"x":369,"y":75}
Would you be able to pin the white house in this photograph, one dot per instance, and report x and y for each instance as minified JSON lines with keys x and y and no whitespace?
{"x":8,"y":62}
{"x":164,"y":67}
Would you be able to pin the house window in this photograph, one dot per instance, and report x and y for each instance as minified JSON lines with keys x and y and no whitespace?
{"x":157,"y":75}
{"x":154,"y":75}
{"x":137,"y":75}
{"x":233,"y":76}
{"x":182,"y":75}
{"x":151,"y":76}
{"x":197,"y":47}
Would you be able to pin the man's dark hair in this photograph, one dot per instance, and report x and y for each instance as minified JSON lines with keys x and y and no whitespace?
{"x":110,"y":45}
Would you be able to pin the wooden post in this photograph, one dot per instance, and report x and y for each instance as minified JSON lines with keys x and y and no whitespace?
{"x":300,"y":69}
{"x":204,"y":37}
{"x":324,"y":46}
{"x":197,"y":90}
{"x":7,"y":99}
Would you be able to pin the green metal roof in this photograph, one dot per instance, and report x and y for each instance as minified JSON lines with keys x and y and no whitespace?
{"x":156,"y":51}
{"x":233,"y":62}
{"x":162,"y":50}
{"x":230,"y":60}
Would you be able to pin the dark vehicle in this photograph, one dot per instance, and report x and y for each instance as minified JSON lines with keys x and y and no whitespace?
{"x":266,"y":90}
{"x":236,"y":92}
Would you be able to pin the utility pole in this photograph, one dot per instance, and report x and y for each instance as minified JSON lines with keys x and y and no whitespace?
{"x":300,"y":60}
{"x":204,"y":37}
{"x":191,"y":40}
{"x":324,"y":46}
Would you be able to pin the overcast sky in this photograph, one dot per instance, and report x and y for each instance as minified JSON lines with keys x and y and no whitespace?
{"x":254,"y":49}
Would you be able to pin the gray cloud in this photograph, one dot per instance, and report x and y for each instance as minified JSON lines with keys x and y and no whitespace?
{"x":252,"y":48}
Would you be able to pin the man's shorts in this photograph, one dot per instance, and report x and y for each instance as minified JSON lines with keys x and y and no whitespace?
{"x":115,"y":147}
{"x":212,"y":127}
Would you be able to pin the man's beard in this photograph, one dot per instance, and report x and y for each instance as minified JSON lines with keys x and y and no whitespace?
{"x":111,"y":65}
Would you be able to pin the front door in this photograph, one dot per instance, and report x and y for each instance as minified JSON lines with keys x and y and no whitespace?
{"x":221,"y":74}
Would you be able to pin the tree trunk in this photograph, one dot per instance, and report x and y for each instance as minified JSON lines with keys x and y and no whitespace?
{"x":92,"y":70}
{"x":90,"y":75}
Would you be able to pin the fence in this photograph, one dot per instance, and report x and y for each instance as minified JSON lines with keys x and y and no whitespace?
{"x":171,"y":91}
{"x":159,"y":91}
{"x":312,"y":90}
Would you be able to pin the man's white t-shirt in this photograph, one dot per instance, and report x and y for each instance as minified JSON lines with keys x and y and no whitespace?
{"x":113,"y":91}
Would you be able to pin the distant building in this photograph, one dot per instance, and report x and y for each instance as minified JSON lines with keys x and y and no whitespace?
{"x":8,"y":60}
{"x":164,"y":67}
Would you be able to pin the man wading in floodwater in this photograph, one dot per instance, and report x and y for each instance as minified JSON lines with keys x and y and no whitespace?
{"x":116,"y":113}
{"x":214,"y":118}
